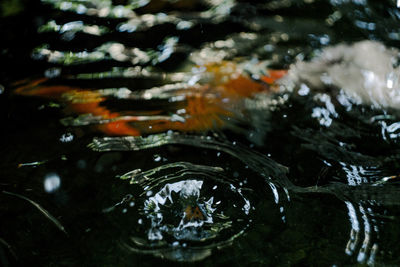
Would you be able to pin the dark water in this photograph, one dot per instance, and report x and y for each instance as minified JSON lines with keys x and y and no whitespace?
{"x":302,"y":180}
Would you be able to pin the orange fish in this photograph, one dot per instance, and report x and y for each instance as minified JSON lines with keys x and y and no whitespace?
{"x":205,"y":106}
{"x":193,"y":213}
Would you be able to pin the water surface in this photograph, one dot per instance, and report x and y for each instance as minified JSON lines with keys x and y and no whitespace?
{"x":155,"y":133}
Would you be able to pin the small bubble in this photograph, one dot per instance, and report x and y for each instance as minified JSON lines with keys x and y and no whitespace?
{"x":52,"y":182}
{"x":140,"y":221}
{"x":149,"y":193}
{"x":215,"y":187}
{"x":67,"y":137}
{"x":218,"y":154}
{"x":156,"y":158}
{"x":124,"y":210}
{"x":131,"y":204}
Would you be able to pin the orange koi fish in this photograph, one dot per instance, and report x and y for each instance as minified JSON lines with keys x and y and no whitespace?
{"x":200,"y":107}
{"x":193,"y":213}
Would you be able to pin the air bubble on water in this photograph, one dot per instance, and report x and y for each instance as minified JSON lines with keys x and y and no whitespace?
{"x":156,"y":158}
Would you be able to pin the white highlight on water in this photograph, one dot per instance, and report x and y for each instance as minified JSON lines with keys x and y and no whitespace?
{"x":52,"y":182}
{"x":365,"y":72}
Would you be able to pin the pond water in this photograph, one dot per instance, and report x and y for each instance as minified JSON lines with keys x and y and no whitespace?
{"x":201,"y":132}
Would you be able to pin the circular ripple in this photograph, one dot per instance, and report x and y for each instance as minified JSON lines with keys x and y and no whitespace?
{"x":183,"y":212}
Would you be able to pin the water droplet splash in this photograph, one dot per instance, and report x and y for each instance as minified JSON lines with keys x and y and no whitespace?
{"x":52,"y":182}
{"x":191,"y":210}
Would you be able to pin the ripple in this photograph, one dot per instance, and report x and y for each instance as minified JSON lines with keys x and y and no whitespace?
{"x":365,"y":201}
{"x":261,"y":164}
{"x":184,"y":211}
